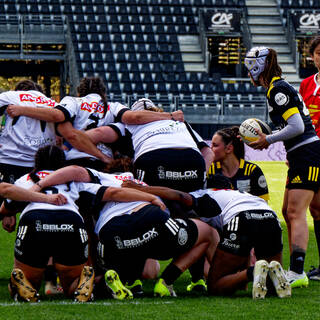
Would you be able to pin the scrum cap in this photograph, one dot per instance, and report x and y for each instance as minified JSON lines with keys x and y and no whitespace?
{"x":255,"y":61}
{"x":143,"y":104}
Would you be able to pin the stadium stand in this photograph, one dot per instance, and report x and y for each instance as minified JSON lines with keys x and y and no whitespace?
{"x":137,"y":47}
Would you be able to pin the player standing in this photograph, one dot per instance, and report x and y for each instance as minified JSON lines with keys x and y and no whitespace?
{"x":309,"y":90}
{"x":289,"y":113}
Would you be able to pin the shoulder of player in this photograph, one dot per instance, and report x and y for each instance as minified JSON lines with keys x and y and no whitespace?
{"x":307,"y":80}
{"x":247,"y":168}
{"x":281,"y":94}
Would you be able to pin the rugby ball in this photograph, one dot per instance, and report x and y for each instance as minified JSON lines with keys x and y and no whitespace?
{"x":247,"y":130}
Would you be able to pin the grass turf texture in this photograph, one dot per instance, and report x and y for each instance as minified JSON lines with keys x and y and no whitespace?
{"x":304,"y":303}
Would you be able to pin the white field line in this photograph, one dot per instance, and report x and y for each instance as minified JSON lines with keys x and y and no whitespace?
{"x":62,"y":303}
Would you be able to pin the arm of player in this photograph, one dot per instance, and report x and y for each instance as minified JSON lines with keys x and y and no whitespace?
{"x":81,"y":141}
{"x":16,"y":193}
{"x":208,"y":156}
{"x":103,"y":134}
{"x":294,"y":127}
{"x":63,"y":175}
{"x":146,"y":116}
{"x":44,"y":114}
{"x":128,"y":195}
{"x":162,"y":192}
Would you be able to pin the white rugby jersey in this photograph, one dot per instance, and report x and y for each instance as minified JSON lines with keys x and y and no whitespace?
{"x":70,"y":191}
{"x":230,"y":202}
{"x":89,"y":112}
{"x":23,"y":136}
{"x":160,"y":135}
{"x":113,"y":209}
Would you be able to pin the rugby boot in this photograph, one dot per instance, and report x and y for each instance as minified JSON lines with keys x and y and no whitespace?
{"x":198,"y":286}
{"x":297,"y":280}
{"x":260,"y":272}
{"x":119,"y":291}
{"x":85,"y":287}
{"x":314,"y":274}
{"x":161,"y":289}
{"x":20,"y":288}
{"x":279,"y":280}
{"x":135,"y":288}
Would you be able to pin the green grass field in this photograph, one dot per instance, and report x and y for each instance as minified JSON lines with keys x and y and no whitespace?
{"x":304,"y":303}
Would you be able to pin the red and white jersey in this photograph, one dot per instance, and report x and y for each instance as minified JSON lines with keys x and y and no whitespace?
{"x":23,"y":136}
{"x":161,"y":134}
{"x":70,"y":191}
{"x":309,"y":90}
{"x":87,"y":113}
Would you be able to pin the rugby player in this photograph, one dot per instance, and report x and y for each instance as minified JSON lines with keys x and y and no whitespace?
{"x":309,"y":90}
{"x":159,"y":148}
{"x":244,"y":222}
{"x":90,"y":110}
{"x":289,"y":114}
{"x":130,"y":233}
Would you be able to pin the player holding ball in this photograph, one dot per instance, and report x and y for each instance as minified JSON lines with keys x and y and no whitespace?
{"x":289,"y":114}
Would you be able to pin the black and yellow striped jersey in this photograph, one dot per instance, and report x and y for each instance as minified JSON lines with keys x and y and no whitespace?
{"x":249,"y":178}
{"x":283,"y":102}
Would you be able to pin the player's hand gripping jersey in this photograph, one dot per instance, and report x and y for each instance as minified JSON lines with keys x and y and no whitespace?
{"x":89,"y":112}
{"x":23,"y":136}
{"x":69,"y":190}
{"x":284,"y":101}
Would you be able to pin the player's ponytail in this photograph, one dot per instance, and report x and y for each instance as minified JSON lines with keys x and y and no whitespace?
{"x":272,"y":68}
{"x":47,"y":158}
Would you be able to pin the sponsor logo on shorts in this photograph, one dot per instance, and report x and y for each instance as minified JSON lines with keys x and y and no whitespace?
{"x":137,"y":242}
{"x":53,"y":227}
{"x":227,"y":243}
{"x":177,"y":175}
{"x":259,"y":216}
{"x":18,"y":251}
{"x":296,"y":180}
{"x":182,"y":236}
{"x":233,"y":236}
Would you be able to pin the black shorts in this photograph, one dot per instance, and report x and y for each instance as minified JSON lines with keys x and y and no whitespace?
{"x":46,"y":233}
{"x":180,"y":169}
{"x":258,"y":229}
{"x":127,"y":241}
{"x":304,"y":167}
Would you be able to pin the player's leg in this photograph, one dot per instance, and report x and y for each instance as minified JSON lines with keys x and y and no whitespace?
{"x":268,"y":246}
{"x":32,"y":251}
{"x":25,"y":281}
{"x":314,"y":273}
{"x":202,"y":239}
{"x":77,"y":281}
{"x":228,"y":273}
{"x":70,"y":254}
{"x":298,"y":203}
{"x":285,"y":216}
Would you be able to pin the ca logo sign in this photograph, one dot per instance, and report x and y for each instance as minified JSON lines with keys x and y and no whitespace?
{"x":310,"y":20}
{"x":222,"y":18}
